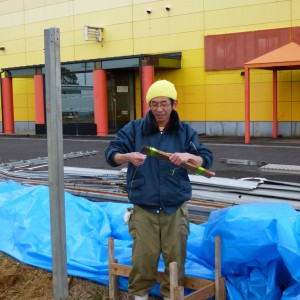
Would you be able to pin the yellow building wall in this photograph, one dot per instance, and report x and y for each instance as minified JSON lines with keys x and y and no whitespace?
{"x":130,"y":30}
{"x":222,"y":16}
{"x":225,"y":91}
{"x":24,"y":106}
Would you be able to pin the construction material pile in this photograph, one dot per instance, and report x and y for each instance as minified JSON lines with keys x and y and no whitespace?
{"x":208,"y":194}
{"x":260,"y":241}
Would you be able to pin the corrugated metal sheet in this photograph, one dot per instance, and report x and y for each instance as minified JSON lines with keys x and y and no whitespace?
{"x":290,"y":169}
{"x":223,"y":182}
{"x":232,"y":50}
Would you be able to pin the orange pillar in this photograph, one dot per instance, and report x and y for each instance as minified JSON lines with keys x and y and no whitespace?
{"x":39,"y":99}
{"x":275,"y":123}
{"x":247,"y":105}
{"x":147,"y":80}
{"x":7,"y":106}
{"x":100,"y":102}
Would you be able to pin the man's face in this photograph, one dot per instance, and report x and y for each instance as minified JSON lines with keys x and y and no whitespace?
{"x":161,"y":108}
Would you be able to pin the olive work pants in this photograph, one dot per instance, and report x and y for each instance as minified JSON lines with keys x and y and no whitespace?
{"x":152,"y":235}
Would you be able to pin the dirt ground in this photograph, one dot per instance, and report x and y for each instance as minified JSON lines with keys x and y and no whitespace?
{"x":19,"y":281}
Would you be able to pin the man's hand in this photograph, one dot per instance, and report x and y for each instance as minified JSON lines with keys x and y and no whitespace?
{"x":181,"y":158}
{"x":135,"y":158}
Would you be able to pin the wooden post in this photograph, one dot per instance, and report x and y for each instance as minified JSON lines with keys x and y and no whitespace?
{"x":220,"y":288}
{"x":173,"y":279}
{"x":179,"y":293}
{"x":113,"y":279}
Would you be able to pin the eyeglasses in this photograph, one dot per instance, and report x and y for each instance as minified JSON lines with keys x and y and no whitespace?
{"x":156,"y":105}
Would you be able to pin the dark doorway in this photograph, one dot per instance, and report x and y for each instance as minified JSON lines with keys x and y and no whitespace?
{"x":120,"y":99}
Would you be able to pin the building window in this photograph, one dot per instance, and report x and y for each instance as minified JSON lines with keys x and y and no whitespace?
{"x":77,"y":97}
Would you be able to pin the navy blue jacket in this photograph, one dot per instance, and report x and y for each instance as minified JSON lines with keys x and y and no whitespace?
{"x":158,"y":183}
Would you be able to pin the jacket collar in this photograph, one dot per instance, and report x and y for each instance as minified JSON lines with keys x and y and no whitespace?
{"x":150,"y":126}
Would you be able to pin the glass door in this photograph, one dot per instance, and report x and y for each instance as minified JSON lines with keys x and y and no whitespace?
{"x":120,"y":99}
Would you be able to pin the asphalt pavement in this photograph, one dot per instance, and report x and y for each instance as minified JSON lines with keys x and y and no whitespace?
{"x":232,"y":157}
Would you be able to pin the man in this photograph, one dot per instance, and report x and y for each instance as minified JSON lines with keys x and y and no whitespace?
{"x":158,"y":189}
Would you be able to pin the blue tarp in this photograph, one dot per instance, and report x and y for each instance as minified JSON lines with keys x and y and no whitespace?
{"x":260,"y":241}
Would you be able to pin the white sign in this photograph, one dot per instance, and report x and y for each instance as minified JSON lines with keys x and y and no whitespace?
{"x":122,"y":89}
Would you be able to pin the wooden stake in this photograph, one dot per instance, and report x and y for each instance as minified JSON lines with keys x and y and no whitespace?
{"x":113,"y":279}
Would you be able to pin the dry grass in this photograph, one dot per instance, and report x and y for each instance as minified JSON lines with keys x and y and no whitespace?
{"x":19,"y":281}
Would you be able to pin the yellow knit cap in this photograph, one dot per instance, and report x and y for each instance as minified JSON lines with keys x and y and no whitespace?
{"x":161,"y":88}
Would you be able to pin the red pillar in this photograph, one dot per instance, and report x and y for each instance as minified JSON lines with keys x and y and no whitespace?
{"x":100,"y":102}
{"x":7,"y":106}
{"x":147,"y":80}
{"x":247,"y":105}
{"x":39,"y":99}
{"x":275,"y":123}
